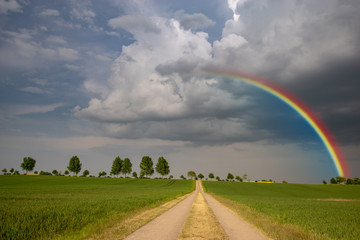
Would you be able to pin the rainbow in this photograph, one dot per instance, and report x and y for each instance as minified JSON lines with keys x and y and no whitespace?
{"x":319,"y":127}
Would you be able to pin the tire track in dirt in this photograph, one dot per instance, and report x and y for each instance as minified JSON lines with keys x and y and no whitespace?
{"x":168,"y":225}
{"x":208,"y":219}
{"x":234,"y":226}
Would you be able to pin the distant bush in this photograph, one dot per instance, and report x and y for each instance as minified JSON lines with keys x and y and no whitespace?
{"x":333,"y":181}
{"x":45,"y":173}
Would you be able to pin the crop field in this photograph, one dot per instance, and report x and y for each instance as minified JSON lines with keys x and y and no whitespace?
{"x":47,"y":207}
{"x":310,"y":211}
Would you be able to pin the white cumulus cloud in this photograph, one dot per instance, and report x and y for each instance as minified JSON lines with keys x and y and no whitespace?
{"x":50,"y":13}
{"x":9,"y":5}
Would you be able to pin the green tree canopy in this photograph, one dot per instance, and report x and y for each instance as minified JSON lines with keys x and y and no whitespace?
{"x":191,"y":174}
{"x":211,"y":175}
{"x":162,"y":167}
{"x":116,"y":166}
{"x":201,"y":176}
{"x":340,"y":179}
{"x":134,"y":174}
{"x":28,"y":164}
{"x":218,"y":178}
{"x":12,"y":170}
{"x":127,"y":167}
{"x":74,"y":165}
{"x":245,"y":176}
{"x":230,"y":176}
{"x":66,"y":172}
{"x":85,"y":173}
{"x":55,"y":172}
{"x":146,"y":166}
{"x":4,"y":171}
{"x":333,"y":181}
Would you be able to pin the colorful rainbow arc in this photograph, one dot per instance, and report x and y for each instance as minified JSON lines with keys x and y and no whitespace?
{"x":319,"y":127}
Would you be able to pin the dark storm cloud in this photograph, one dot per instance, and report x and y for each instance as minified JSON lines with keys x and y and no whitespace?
{"x":333,"y":93}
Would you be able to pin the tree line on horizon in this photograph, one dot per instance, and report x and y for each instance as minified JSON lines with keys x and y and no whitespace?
{"x":119,"y":166}
{"x":229,"y":177}
{"x":343,"y":180}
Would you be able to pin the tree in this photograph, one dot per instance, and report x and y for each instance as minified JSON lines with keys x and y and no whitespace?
{"x":66,"y":172}
{"x":28,"y":164}
{"x":182,"y":177}
{"x":162,"y":167}
{"x":230,"y":176}
{"x":134,"y":174}
{"x":85,"y":173}
{"x":146,"y":166}
{"x":191,"y":174}
{"x":245,"y":176}
{"x":333,"y":181}
{"x":103,"y":173}
{"x":55,"y":172}
{"x":127,"y":167}
{"x":74,"y":165}
{"x":349,"y":181}
{"x":201,"y":176}
{"x":142,"y":174}
{"x":4,"y":171}
{"x":356,"y":180}
{"x":218,"y":178}
{"x":285,"y":182}
{"x":324,"y":182}
{"x":116,"y":166}
{"x":211,"y":176}
{"x":238,"y":178}
{"x":12,"y":170}
{"x":171,"y":177}
{"x":340,"y":179}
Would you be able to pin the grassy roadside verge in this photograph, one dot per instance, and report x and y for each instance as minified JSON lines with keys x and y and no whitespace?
{"x":120,"y":228}
{"x":39,"y":207}
{"x":294,"y":211}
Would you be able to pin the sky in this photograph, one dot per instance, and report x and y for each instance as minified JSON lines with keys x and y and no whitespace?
{"x":100,"y":79}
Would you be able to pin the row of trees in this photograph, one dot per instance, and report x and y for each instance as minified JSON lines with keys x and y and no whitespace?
{"x":211,"y":176}
{"x":343,"y":180}
{"x":119,"y":166}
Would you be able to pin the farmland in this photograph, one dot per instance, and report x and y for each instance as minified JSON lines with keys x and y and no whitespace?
{"x":39,"y":207}
{"x":294,"y":211}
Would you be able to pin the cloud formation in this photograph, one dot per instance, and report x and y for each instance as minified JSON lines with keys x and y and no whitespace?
{"x":50,"y":13}
{"x":9,"y":6}
{"x":155,"y":93}
{"x":193,"y":21}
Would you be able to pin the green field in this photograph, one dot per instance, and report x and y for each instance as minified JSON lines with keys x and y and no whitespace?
{"x":320,"y":211}
{"x":45,"y":207}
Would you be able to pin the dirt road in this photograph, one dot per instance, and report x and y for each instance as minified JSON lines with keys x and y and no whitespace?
{"x":234,"y":227}
{"x":170,"y":225}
